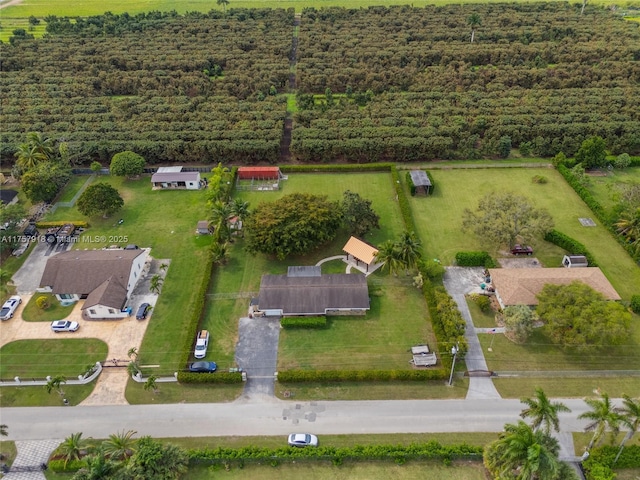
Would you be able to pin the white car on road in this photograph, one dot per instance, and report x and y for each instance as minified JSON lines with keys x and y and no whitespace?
{"x":9,"y":307}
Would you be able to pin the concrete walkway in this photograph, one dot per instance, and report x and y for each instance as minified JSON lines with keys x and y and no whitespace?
{"x":31,"y":454}
{"x":459,"y":281}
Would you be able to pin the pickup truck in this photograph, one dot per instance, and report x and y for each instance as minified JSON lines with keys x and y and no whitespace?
{"x":202,"y":342}
{"x":521,"y":250}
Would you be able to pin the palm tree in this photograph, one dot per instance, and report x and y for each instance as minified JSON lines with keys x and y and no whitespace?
{"x":389,"y":255}
{"x":629,"y":227}
{"x":219,"y":251}
{"x":56,"y":383}
{"x":99,"y":467}
{"x":474,"y":21}
{"x":522,"y":453}
{"x":630,"y":418}
{"x":72,"y":448}
{"x":43,"y":145}
{"x":155,"y":284}
{"x":150,"y":384}
{"x":120,"y":446}
{"x":224,"y":4}
{"x":240,"y":209}
{"x":132,"y":369}
{"x":603,"y":415}
{"x":220,"y":213}
{"x":28,"y":156}
{"x":409,"y":250}
{"x":133,"y":353}
{"x":543,"y":412}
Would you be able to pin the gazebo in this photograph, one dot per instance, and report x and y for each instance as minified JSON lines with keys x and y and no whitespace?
{"x":360,"y":252}
{"x":421,"y":181}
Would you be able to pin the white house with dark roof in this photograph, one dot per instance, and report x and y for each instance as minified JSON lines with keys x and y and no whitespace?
{"x":104,"y":278}
{"x":171,"y":178}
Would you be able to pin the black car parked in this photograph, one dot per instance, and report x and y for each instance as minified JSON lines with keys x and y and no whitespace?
{"x":142,"y":311}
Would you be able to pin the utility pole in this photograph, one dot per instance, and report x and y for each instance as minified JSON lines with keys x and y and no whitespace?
{"x":454,"y":352}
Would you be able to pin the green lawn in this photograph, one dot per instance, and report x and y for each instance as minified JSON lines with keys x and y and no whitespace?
{"x":562,"y":387}
{"x":39,"y":358}
{"x":436,"y":389}
{"x":181,"y":393}
{"x":381,"y":339}
{"x":72,"y":187}
{"x":439,"y":218}
{"x":32,"y":313}
{"x":481,"y":319}
{"x":38,"y":396}
{"x":164,"y":221}
{"x":604,"y":188}
{"x":538,"y":354}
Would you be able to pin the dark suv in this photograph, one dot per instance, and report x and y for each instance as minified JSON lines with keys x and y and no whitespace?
{"x":142,"y":311}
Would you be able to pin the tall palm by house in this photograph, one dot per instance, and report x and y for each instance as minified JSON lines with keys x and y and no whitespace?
{"x":28,"y":156}
{"x":220,"y":213}
{"x":603,"y":416}
{"x":55,"y":383}
{"x":630,"y":412}
{"x":523,"y":453}
{"x":543,"y":412}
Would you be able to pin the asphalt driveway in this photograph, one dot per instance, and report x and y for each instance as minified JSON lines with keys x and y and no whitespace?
{"x":257,"y":354}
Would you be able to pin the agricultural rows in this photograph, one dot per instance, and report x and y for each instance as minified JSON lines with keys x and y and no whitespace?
{"x":397,"y":84}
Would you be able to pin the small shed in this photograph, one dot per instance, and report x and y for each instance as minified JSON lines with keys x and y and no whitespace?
{"x":360,"y":252}
{"x":421,"y":182}
{"x":171,"y":178}
{"x":575,"y":261}
{"x":203,"y":228}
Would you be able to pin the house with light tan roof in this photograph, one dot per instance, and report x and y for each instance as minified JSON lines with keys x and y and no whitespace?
{"x":360,"y":253}
{"x":519,"y":286}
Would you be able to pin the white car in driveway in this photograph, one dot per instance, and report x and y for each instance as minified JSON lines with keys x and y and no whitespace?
{"x":202,"y":342}
{"x":64,"y":326}
{"x":9,"y":307}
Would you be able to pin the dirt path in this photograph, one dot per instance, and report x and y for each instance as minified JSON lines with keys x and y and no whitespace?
{"x":10,"y":3}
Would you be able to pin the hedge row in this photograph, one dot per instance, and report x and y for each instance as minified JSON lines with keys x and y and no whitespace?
{"x":226,"y":378}
{"x":59,"y":223}
{"x":635,"y":304}
{"x":371,"y":167}
{"x":572,"y":246}
{"x":583,"y":193}
{"x":304,"y":322}
{"x":475,"y":259}
{"x":321,"y":376}
{"x":403,"y":201}
{"x":599,"y":465}
{"x":59,"y":465}
{"x":398,"y":453}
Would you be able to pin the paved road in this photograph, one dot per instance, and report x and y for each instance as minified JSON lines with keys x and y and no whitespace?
{"x":242,"y":418}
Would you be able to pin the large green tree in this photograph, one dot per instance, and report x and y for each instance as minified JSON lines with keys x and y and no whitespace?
{"x":153,"y":460}
{"x":100,"y":198}
{"x":575,"y":315}
{"x":127,"y":164}
{"x":295,"y":224}
{"x":518,"y":322}
{"x":506,"y":219}
{"x":603,"y":416}
{"x":10,"y":218}
{"x":543,"y":412}
{"x":524,"y":454}
{"x":359,"y":217}
{"x":43,"y":182}
{"x":592,"y":153}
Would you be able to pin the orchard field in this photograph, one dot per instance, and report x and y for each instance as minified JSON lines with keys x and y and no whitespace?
{"x":393,"y":83}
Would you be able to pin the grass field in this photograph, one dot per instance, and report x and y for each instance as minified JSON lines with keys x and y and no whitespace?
{"x":604,"y":188}
{"x":39,"y":358}
{"x":72,"y":187}
{"x":164,"y":221}
{"x":439,"y":219}
{"x":563,"y":387}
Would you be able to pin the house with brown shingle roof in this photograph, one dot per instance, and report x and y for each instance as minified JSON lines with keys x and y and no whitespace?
{"x":104,"y":278}
{"x":519,"y":286}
